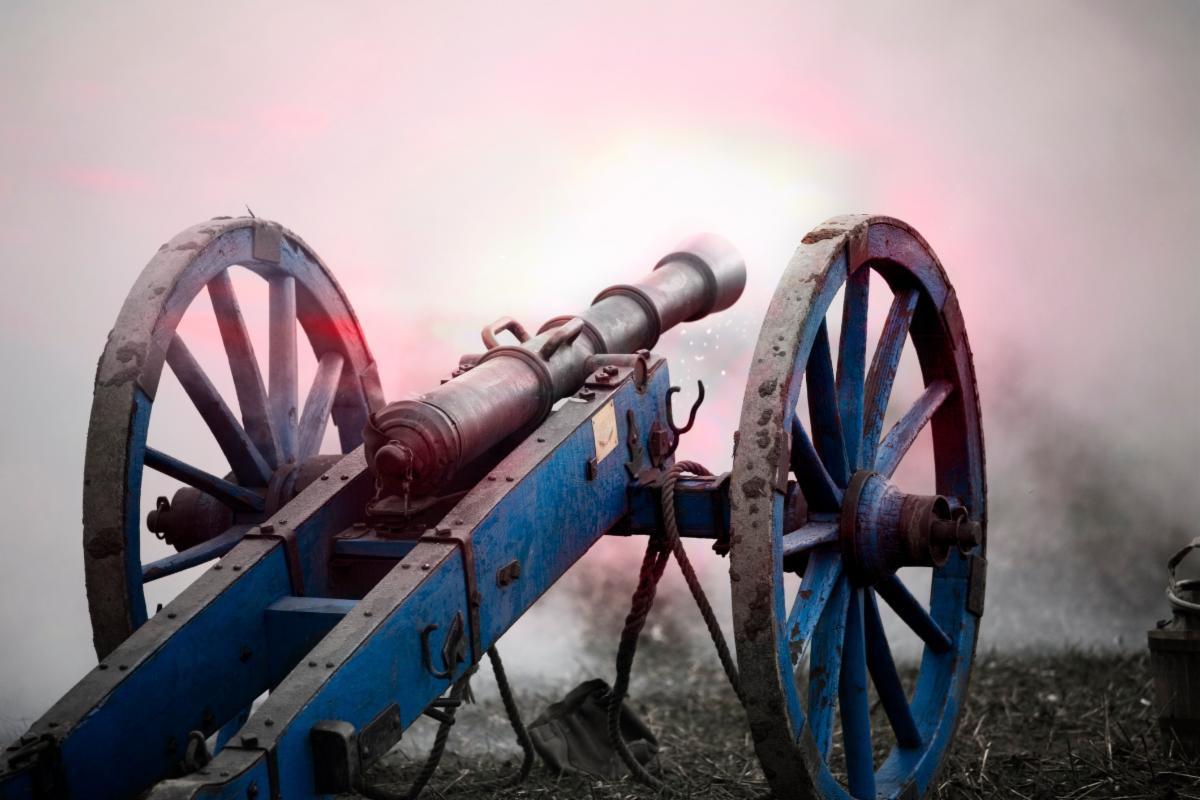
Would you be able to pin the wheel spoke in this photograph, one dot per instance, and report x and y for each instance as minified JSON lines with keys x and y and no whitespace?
{"x":825,"y":665}
{"x":885,"y":677}
{"x":823,"y":409}
{"x":852,"y":361}
{"x":245,"y":459}
{"x":193,"y":556}
{"x":243,"y":365}
{"x":820,"y":580}
{"x":904,"y":432}
{"x":855,"y":705}
{"x":917,"y":618}
{"x":319,"y":403}
{"x":819,"y":490}
{"x":814,"y":534}
{"x":883,"y":369}
{"x":283,"y":390}
{"x":232,"y":495}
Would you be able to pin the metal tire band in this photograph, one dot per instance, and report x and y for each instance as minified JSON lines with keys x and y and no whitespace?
{"x":599,"y":346}
{"x":643,"y":300}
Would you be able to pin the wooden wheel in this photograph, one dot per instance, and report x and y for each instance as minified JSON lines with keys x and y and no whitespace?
{"x":273,"y":443}
{"x":860,"y":527}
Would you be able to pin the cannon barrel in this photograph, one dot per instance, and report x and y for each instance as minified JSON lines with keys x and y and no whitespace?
{"x":415,"y":446}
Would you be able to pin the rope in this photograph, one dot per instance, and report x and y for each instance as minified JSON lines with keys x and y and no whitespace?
{"x":514,"y":719}
{"x":654,"y":562}
{"x":458,"y":691}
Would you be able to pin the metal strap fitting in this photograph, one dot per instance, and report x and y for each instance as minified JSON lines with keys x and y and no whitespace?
{"x":462,"y":540}
{"x":291,"y":551}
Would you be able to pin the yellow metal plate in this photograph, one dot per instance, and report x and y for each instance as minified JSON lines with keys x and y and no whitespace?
{"x":604,"y":431}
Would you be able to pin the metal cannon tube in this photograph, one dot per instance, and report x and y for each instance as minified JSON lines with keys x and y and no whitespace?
{"x":415,"y":446}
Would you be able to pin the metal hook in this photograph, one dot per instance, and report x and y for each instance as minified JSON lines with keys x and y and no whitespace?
{"x":675,"y":429}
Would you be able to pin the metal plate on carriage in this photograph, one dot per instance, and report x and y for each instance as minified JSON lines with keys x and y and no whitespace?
{"x":604,"y":431}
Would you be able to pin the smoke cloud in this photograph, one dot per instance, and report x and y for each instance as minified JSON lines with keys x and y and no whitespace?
{"x":456,"y":163}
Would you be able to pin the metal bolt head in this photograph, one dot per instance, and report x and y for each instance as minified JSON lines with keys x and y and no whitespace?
{"x":585,"y":394}
{"x":610,"y":370}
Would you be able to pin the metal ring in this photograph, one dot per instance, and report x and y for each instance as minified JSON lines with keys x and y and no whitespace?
{"x":643,"y":300}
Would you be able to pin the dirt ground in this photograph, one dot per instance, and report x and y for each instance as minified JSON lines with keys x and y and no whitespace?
{"x":1035,"y":726}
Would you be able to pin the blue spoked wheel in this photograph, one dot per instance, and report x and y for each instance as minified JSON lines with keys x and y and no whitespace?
{"x":271,"y":447}
{"x":822,"y":655}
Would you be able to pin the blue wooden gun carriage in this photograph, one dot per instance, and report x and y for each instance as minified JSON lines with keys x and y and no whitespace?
{"x":358,"y":588}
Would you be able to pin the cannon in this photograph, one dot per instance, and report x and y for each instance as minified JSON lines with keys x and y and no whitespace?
{"x":358,"y":589}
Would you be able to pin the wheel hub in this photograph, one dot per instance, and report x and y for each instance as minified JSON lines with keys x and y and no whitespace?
{"x":883,"y":528}
{"x":192,"y":517}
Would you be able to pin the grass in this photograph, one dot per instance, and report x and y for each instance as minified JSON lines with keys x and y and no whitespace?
{"x":1069,"y":726}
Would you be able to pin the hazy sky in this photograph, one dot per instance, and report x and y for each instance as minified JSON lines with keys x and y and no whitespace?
{"x":453,"y":163}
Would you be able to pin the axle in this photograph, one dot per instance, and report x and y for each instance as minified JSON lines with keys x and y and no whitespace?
{"x":415,"y":447}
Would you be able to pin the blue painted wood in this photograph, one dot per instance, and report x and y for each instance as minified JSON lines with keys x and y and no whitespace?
{"x":885,"y":677}
{"x":941,"y":682}
{"x":818,"y":488}
{"x":243,"y":365}
{"x":363,"y":665}
{"x":138,"y":429}
{"x":372,"y":547}
{"x":319,"y":402}
{"x":813,"y":534}
{"x":825,"y":665}
{"x":902,"y":435}
{"x":820,"y":579}
{"x":548,"y":519}
{"x":17,"y":786}
{"x":232,"y":495}
{"x":295,"y":625}
{"x":855,"y":704}
{"x":282,"y":387}
{"x":229,"y":729}
{"x":909,"y":609}
{"x":216,"y":647}
{"x":883,"y":368}
{"x":194,"y":556}
{"x":247,"y":462}
{"x":701,"y":508}
{"x":852,"y":362}
{"x":827,"y":436}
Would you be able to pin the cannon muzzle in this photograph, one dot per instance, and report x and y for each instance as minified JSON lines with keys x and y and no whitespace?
{"x":415,"y":447}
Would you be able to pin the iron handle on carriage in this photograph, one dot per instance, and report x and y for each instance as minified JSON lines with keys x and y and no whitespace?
{"x":453,"y":648}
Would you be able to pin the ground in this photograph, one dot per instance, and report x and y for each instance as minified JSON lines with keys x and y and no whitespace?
{"x":1035,"y":726}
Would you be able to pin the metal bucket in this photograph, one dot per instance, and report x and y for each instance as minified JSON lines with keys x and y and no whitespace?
{"x":1175,"y":662}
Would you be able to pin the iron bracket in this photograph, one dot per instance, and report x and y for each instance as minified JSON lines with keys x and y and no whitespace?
{"x":291,"y":551}
{"x":462,"y":540}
